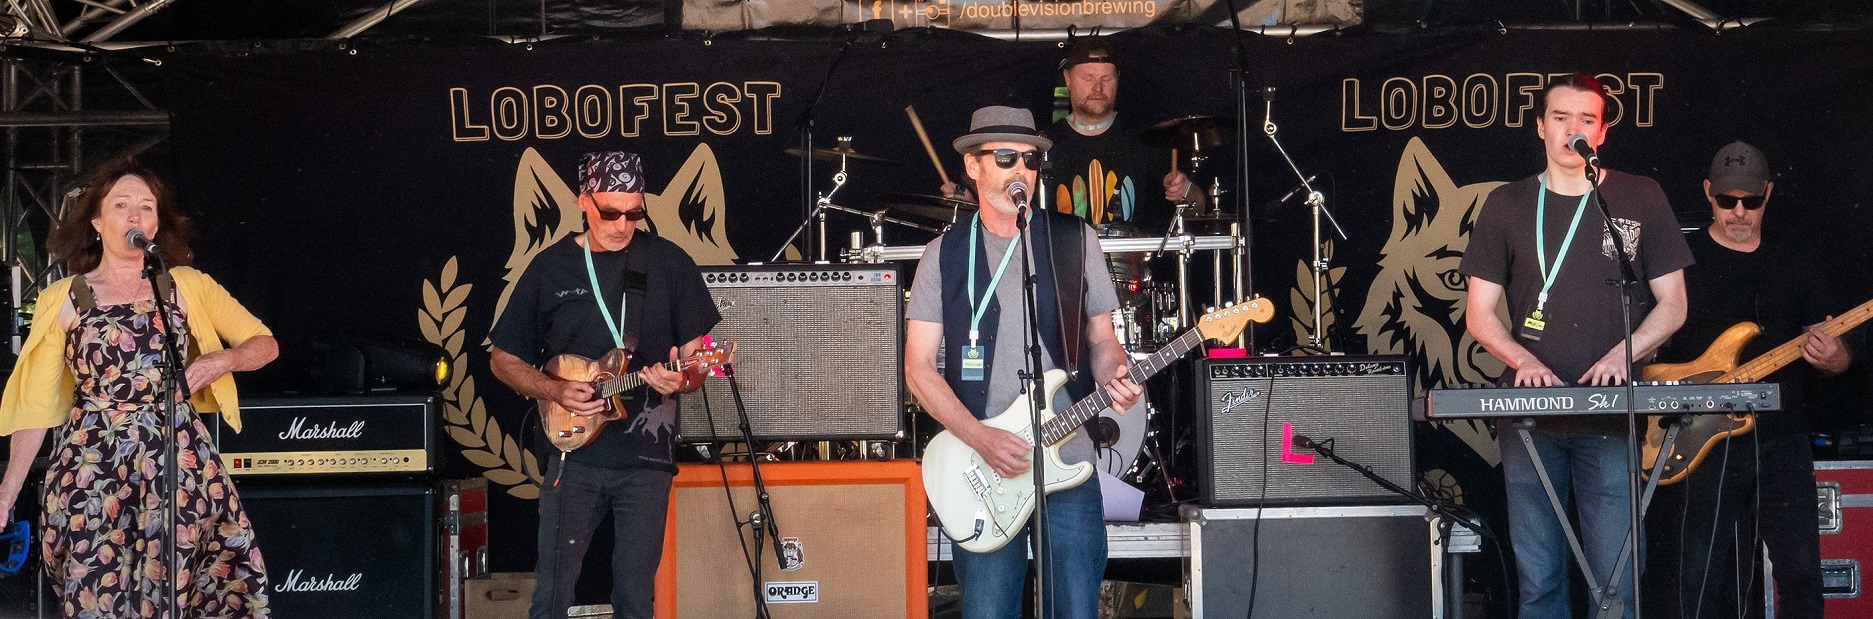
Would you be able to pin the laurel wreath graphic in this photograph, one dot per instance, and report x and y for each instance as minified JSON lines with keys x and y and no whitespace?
{"x":482,"y":440}
{"x":1302,"y":296}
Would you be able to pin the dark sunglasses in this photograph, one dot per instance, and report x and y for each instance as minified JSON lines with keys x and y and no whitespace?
{"x":635,"y":214}
{"x":1005,"y":158}
{"x":1729,"y":202}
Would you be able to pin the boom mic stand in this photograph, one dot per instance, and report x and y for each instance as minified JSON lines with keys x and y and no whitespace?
{"x":174,"y":383}
{"x":762,"y":519}
{"x":806,"y":127}
{"x":1316,"y":201}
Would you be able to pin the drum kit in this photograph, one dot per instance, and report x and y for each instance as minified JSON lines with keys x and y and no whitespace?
{"x":1151,"y":310}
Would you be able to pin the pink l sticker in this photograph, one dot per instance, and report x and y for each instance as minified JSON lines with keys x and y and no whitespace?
{"x":1287,"y":446}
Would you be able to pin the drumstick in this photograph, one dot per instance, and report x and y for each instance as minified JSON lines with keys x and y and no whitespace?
{"x":1173,"y":159}
{"x":916,"y":124}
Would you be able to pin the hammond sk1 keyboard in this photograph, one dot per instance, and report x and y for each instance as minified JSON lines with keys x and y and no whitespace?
{"x":1649,"y":399}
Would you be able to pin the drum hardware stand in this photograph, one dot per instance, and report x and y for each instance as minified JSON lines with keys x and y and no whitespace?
{"x":1318,"y":203}
{"x":819,"y":206}
{"x":873,"y":253}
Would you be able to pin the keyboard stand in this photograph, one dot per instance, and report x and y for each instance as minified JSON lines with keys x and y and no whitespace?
{"x":1607,"y":603}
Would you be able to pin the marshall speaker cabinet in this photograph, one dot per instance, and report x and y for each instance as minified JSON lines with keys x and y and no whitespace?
{"x":820,"y":353}
{"x":1255,"y":407}
{"x":350,"y":550}
{"x":373,"y":435}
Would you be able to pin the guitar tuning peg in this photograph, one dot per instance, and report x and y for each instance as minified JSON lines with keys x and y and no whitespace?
{"x":1207,"y":309}
{"x":1230,"y":304}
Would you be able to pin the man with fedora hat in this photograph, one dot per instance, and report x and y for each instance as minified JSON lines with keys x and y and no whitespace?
{"x":1705,"y":535}
{"x":968,"y":295}
{"x":611,"y":287}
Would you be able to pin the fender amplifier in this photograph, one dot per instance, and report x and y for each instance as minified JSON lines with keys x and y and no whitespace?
{"x":330,"y":435}
{"x":1255,"y":407}
{"x":820,"y":357}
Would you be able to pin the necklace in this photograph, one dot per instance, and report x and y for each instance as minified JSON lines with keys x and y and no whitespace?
{"x":1099,"y":126}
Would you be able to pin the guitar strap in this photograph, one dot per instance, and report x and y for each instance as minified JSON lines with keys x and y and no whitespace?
{"x":636,"y":285}
{"x":1066,"y":243}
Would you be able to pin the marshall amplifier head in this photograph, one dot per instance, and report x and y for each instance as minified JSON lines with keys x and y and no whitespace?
{"x":331,"y":435}
{"x":1255,"y":407}
{"x":820,"y":353}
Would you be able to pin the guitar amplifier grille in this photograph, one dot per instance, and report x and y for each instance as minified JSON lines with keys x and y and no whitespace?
{"x":819,"y":353}
{"x":1255,"y":406}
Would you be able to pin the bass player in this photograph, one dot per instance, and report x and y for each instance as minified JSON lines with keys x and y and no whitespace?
{"x":1755,"y":489}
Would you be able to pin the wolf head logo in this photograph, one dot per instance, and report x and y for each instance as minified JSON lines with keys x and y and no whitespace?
{"x":1415,"y":306}
{"x":690,"y":211}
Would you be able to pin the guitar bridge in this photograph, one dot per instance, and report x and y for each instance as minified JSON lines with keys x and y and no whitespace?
{"x":977,"y":483}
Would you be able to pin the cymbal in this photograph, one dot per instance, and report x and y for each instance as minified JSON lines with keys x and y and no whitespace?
{"x":833,"y":154}
{"x":1210,"y":132}
{"x":934,"y":207}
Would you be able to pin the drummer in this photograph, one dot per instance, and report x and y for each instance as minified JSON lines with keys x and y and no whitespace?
{"x":1101,"y":164}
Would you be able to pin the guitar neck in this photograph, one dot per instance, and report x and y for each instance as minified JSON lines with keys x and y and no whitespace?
{"x":1066,"y":422}
{"x":1760,"y":367}
{"x":630,"y":380}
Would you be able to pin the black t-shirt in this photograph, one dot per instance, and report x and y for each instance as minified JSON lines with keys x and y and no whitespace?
{"x":1777,"y":288}
{"x":1110,"y":176}
{"x":551,"y":312}
{"x":1583,"y":310}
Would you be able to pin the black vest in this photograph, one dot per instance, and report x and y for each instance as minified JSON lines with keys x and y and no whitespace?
{"x":1065,"y":236}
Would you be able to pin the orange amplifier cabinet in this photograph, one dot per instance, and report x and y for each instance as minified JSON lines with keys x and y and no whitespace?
{"x":1845,"y":491}
{"x":856,"y":527}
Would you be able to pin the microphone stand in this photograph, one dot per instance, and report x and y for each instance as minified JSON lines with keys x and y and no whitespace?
{"x":762,"y":520}
{"x":1628,"y":280}
{"x":1239,"y":80}
{"x":174,"y":383}
{"x":1036,"y":390}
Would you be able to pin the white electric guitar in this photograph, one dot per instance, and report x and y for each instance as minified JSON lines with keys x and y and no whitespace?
{"x":982,"y":511}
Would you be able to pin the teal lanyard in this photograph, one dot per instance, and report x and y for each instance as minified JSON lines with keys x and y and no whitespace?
{"x":617,"y":335}
{"x":1541,"y":241}
{"x":975,"y":323}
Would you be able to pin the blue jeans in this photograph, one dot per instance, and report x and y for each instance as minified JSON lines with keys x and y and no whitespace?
{"x":1594,"y":467}
{"x":569,"y":514}
{"x":992,"y":582}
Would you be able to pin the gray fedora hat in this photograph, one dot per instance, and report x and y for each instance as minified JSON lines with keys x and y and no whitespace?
{"x":999,"y":123}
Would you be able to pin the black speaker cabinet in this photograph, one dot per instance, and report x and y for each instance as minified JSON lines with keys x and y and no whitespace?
{"x":346,"y":550}
{"x":1254,"y":407}
{"x":1366,"y":561}
{"x":820,"y":354}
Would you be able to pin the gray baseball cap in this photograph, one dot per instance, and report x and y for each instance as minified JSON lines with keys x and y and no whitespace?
{"x":1739,"y":166}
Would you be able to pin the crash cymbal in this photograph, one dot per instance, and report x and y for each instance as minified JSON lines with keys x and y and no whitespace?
{"x":934,"y":207}
{"x":833,"y":154}
{"x":1210,"y":132}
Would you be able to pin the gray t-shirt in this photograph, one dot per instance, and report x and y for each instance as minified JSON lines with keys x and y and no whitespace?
{"x":926,"y":305}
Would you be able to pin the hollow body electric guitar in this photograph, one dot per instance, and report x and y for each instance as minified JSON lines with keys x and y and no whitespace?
{"x":981,"y":510}
{"x":1718,"y":365}
{"x":611,"y":384}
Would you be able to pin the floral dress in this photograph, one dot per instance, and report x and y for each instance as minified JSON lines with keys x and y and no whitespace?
{"x":103,"y":512}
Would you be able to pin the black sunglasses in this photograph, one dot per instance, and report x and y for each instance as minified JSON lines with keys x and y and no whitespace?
{"x":635,"y":214}
{"x":1729,"y":202}
{"x":1005,"y":157}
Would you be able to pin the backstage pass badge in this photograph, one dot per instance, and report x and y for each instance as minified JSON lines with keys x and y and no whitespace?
{"x":1533,"y":324}
{"x":973,"y":364}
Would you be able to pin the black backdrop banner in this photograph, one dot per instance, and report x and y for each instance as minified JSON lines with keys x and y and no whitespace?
{"x":400,"y":191}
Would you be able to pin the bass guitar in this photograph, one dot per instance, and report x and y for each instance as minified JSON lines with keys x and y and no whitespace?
{"x":1718,"y":365}
{"x":611,"y":384}
{"x":981,"y":510}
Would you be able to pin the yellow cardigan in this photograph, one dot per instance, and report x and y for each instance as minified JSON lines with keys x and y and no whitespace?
{"x":39,"y":394}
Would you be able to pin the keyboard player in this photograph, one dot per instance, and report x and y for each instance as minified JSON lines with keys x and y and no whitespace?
{"x":1543,"y":246}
